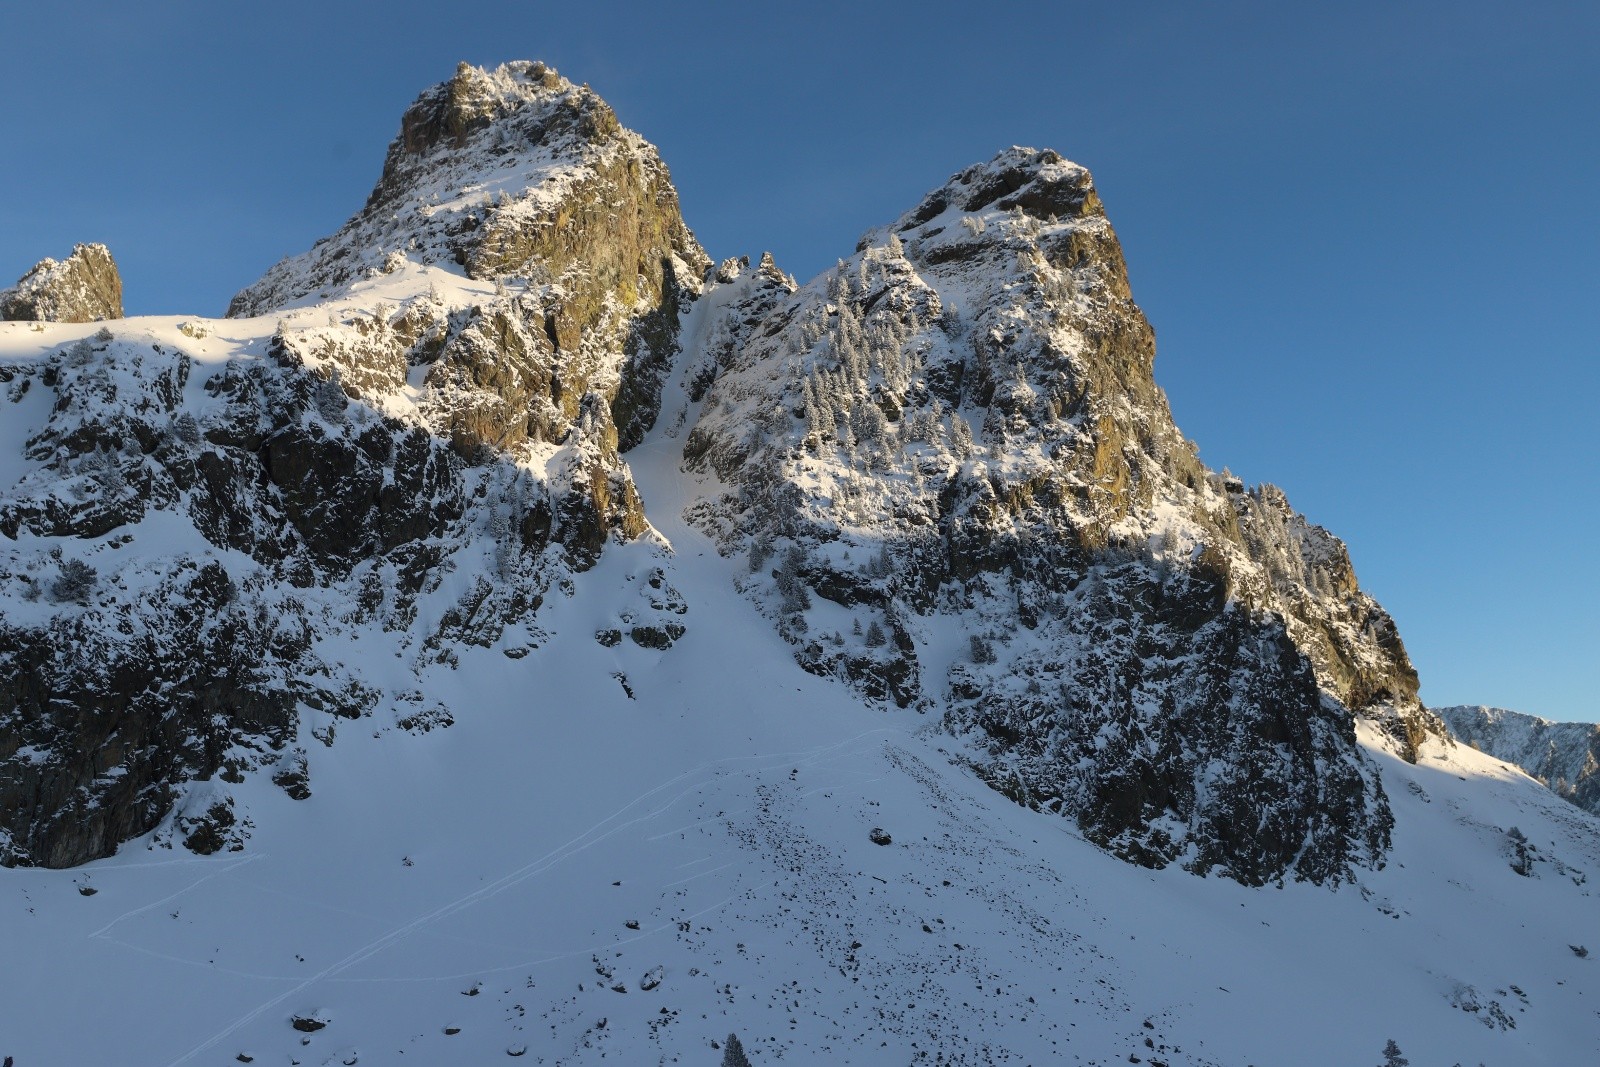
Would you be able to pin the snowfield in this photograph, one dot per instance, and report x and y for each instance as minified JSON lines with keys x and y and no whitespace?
{"x":621,"y":854}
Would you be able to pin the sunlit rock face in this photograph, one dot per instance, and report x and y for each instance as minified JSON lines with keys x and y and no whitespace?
{"x":956,"y":438}
{"x":84,"y":287}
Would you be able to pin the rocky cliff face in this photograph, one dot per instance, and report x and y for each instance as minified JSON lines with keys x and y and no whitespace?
{"x":945,"y":471}
{"x":955,"y":440}
{"x":84,"y":287}
{"x":519,"y":178}
{"x":1565,"y":756}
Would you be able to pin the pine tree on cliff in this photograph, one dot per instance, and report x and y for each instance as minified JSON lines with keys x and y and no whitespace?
{"x":1392,"y":1056}
{"x":733,"y":1054}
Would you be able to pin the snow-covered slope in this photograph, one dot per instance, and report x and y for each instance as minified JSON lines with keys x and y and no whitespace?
{"x":510,"y":636}
{"x":514,"y":882}
{"x":1562,"y":755}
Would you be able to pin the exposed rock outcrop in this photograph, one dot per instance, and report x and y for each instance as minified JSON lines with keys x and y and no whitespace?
{"x":959,"y":431}
{"x":84,"y":287}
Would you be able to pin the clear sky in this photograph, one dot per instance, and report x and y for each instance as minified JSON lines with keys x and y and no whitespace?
{"x":1368,"y":234}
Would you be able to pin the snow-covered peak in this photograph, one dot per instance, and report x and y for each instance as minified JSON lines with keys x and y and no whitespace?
{"x":1036,"y":181}
{"x":561,"y":648}
{"x":483,"y":180}
{"x":84,"y":287}
{"x":473,"y":99}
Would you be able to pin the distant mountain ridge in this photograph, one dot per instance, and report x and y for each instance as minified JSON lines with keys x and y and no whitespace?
{"x":1565,"y":756}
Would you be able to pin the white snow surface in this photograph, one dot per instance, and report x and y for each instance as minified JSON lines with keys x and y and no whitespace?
{"x":697,"y":820}
{"x":1560,"y":755}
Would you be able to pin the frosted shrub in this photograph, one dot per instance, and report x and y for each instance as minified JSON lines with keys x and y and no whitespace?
{"x":793,"y":591}
{"x":102,"y":467}
{"x":186,"y":429}
{"x":330,"y":399}
{"x":1392,"y":1056}
{"x":75,"y":583}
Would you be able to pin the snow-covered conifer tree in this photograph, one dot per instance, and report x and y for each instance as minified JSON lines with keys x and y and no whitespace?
{"x":733,"y":1053}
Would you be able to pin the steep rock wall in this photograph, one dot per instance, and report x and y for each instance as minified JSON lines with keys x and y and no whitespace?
{"x":958,"y":432}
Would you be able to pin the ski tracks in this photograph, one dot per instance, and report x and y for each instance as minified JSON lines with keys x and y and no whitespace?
{"x":657,"y":801}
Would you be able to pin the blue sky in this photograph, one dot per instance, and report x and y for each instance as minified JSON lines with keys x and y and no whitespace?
{"x":1368,"y":235}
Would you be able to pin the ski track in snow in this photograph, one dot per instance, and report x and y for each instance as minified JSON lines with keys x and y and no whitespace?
{"x":588,"y":839}
{"x":104,"y":930}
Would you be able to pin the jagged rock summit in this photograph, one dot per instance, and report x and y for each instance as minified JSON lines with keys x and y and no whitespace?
{"x":956,"y":437}
{"x":945,"y":469}
{"x":517,"y":177}
{"x":84,"y":287}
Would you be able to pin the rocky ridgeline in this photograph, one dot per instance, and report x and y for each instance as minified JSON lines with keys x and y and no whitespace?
{"x":1565,"y":756}
{"x":84,"y":287}
{"x":955,"y":437}
{"x":946,"y":471}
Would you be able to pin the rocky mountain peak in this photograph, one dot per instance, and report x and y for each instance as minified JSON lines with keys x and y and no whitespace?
{"x":501,"y":174}
{"x":84,"y":287}
{"x":957,"y":434}
{"x":470,"y":101}
{"x":1038,"y":182}
{"x":944,"y":469}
